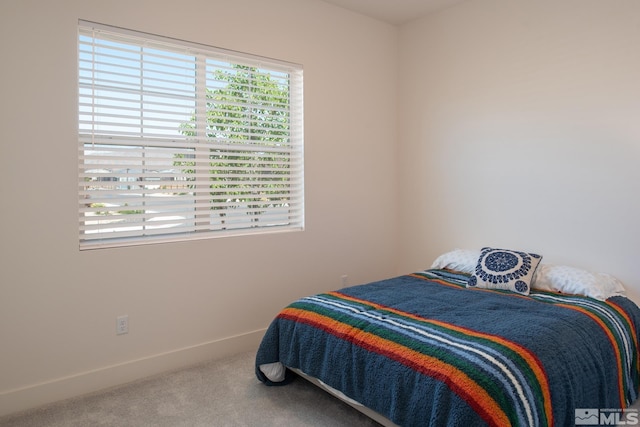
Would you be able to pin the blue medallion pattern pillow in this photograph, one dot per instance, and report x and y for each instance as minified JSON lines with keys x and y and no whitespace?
{"x":504,"y":269}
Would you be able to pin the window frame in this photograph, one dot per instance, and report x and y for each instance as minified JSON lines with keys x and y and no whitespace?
{"x":239,"y":173}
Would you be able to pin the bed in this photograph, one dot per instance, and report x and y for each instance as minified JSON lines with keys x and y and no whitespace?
{"x":435,"y":348}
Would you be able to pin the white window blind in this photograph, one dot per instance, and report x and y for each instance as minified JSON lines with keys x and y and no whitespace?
{"x":181,"y":141}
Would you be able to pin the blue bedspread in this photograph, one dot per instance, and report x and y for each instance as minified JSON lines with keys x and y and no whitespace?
{"x":422,"y":349}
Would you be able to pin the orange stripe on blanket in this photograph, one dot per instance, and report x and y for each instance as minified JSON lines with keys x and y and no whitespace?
{"x":457,"y":380}
{"x":439,"y":281}
{"x":472,"y":289}
{"x":614,"y":344}
{"x":632,"y":326}
{"x":531,"y":359}
{"x":626,"y":317}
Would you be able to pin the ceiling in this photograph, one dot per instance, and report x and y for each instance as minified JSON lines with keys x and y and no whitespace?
{"x":394,"y":11}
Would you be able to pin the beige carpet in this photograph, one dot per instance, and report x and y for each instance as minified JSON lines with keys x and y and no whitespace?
{"x":217,"y":393}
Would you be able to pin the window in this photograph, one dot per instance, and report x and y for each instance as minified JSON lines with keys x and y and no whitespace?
{"x":181,"y":141}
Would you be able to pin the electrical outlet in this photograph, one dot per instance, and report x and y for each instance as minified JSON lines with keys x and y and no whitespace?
{"x":122,"y":325}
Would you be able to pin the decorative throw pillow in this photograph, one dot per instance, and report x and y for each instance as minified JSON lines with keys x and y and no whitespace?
{"x":505,"y":269}
{"x":463,"y":260}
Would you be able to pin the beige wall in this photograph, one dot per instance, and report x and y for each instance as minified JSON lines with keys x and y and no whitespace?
{"x":514,"y":124}
{"x":520,"y":127}
{"x":185,"y":301}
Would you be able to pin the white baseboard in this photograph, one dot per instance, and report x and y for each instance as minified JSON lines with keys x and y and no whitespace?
{"x":109,"y":376}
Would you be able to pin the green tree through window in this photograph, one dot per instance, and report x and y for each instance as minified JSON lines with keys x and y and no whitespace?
{"x":250,"y":109}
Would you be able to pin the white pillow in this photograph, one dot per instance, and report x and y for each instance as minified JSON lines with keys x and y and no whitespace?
{"x":463,"y":260}
{"x":572,"y":280}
